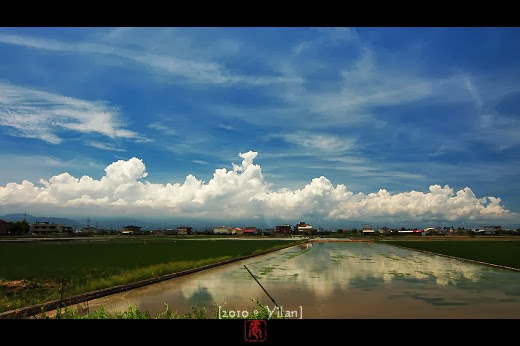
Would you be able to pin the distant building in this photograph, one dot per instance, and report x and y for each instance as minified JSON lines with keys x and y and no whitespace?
{"x":346,"y":231}
{"x":486,"y":231}
{"x":268,"y":231}
{"x":410,"y":232}
{"x":283,"y":229}
{"x":46,"y":227}
{"x":224,"y":230}
{"x":435,"y":231}
{"x":492,"y":230}
{"x":302,"y":227}
{"x":462,"y":231}
{"x":367,"y":230}
{"x":429,"y":230}
{"x":184,"y":230}
{"x":89,"y":230}
{"x":249,"y":230}
{"x":130,"y":229}
{"x":384,"y":230}
{"x":4,"y":227}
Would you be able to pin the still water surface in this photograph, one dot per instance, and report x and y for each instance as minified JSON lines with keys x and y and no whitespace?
{"x":340,"y":280}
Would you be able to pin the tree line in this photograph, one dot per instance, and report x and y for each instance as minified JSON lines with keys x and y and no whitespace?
{"x":18,"y":227}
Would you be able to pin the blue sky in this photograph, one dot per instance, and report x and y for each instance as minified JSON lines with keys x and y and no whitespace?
{"x":400,"y":109}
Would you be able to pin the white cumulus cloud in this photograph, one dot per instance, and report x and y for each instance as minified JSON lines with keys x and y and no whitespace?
{"x":243,"y":192}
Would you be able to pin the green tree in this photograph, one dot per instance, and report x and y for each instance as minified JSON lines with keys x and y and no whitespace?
{"x":19,"y":227}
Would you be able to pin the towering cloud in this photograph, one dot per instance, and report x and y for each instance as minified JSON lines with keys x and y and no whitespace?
{"x":243,"y":192}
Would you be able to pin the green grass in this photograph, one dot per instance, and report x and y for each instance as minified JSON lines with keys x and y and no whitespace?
{"x":258,"y":311}
{"x":505,"y":253}
{"x":84,"y":266}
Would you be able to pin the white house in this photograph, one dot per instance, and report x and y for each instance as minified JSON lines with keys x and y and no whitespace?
{"x":224,"y":230}
{"x":302,"y":227}
{"x":368,"y":230}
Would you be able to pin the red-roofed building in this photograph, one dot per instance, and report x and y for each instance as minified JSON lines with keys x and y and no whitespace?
{"x":4,"y":227}
{"x":249,"y":230}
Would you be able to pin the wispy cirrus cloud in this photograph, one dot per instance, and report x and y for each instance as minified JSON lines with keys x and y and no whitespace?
{"x":225,"y":127}
{"x":313,"y":143}
{"x":193,"y":70}
{"x":324,"y":143}
{"x":104,"y":146}
{"x":32,"y":113}
{"x":346,"y":94}
{"x":491,"y":127}
{"x":364,"y":85}
{"x":163,"y":128}
{"x":369,"y":172}
{"x":200,"y":162}
{"x":326,"y":37}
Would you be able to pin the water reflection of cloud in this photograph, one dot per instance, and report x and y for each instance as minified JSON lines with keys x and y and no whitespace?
{"x":201,"y":297}
{"x":346,"y":264}
{"x":329,"y":267}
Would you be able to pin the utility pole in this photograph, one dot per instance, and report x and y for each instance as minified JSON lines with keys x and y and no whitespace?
{"x":261,"y":286}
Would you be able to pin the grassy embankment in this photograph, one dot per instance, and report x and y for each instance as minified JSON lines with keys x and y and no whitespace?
{"x":38,"y":272}
{"x":506,"y":253}
{"x":257,"y":311}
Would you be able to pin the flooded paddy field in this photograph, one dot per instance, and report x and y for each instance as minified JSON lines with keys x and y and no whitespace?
{"x":339,"y":280}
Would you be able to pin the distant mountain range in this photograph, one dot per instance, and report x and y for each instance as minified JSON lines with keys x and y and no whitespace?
{"x":100,"y":223}
{"x":33,"y":219}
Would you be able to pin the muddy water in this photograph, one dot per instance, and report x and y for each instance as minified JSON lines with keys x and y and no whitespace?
{"x":340,"y":280}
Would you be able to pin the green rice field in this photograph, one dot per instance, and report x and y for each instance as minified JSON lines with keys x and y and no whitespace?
{"x":506,"y":253}
{"x":37,"y":272}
